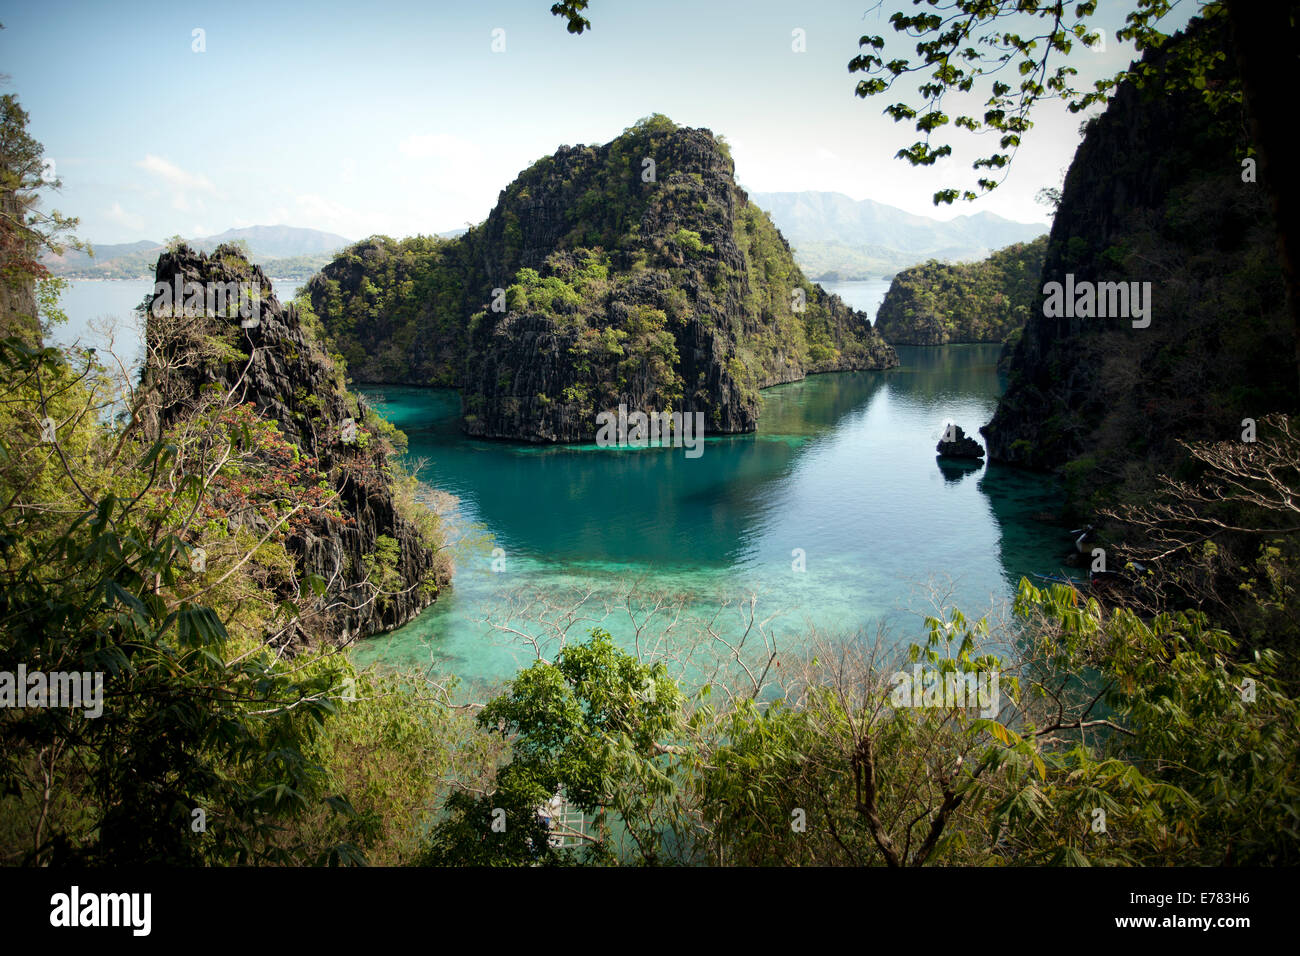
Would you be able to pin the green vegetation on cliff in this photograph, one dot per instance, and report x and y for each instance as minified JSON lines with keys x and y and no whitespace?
{"x":632,"y":273}
{"x":937,"y":303}
{"x":181,"y":557}
{"x":203,"y":544}
{"x":1111,"y":403}
{"x":1172,"y":437}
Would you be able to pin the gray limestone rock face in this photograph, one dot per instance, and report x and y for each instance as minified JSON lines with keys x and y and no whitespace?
{"x":262,"y":354}
{"x":956,"y":444}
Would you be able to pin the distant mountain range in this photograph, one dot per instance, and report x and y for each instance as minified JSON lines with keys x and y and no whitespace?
{"x":284,"y":252}
{"x":833,"y":235}
{"x":837,"y":237}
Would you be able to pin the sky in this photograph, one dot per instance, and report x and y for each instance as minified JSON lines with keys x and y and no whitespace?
{"x":400,"y":118}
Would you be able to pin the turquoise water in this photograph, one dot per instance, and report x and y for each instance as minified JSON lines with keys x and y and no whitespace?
{"x":100,"y":316}
{"x":843,"y":467}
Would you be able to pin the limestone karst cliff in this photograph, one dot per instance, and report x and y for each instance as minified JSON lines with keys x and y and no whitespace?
{"x":943,"y":303}
{"x":633,"y":273}
{"x":375,"y":567}
{"x":1156,"y":195}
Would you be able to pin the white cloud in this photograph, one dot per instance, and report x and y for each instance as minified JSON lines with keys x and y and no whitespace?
{"x":123,"y":218}
{"x":319,"y":212}
{"x":176,"y":176}
{"x":187,"y":188}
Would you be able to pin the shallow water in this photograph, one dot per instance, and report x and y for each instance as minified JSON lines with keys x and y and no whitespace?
{"x":843,"y":467}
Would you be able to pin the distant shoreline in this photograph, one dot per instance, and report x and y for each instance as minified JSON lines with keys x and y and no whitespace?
{"x":149,"y":278}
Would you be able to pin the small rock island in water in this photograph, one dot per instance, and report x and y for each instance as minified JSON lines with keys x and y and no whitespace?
{"x":956,"y":444}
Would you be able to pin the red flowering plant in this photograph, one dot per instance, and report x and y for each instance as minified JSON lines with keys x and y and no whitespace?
{"x":233,"y":470}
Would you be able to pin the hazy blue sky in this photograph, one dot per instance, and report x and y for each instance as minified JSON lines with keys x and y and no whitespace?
{"x":398,"y":118}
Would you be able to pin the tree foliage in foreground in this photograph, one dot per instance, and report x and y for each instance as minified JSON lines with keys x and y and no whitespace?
{"x":596,"y":726}
{"x":965,"y":46}
{"x":1117,"y":741}
{"x":97,"y":574}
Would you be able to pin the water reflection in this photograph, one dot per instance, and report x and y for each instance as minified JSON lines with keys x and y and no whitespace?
{"x":841,"y":472}
{"x":955,"y":470}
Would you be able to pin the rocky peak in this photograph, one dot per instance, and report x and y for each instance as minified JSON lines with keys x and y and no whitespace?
{"x":215,"y":321}
{"x":634,"y":273}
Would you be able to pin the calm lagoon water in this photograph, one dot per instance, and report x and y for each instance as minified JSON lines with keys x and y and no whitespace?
{"x":101,"y":316}
{"x":863,"y":294}
{"x":843,"y":467}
